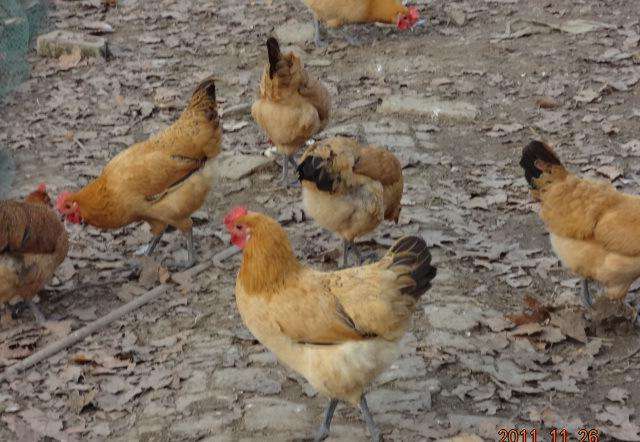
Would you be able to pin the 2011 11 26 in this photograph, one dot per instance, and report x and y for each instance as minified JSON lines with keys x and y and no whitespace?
{"x":556,"y":435}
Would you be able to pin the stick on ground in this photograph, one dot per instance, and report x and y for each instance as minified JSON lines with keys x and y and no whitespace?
{"x":82,"y":333}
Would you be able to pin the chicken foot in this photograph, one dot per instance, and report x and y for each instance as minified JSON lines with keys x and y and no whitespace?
{"x":18,"y":308}
{"x":323,"y":432}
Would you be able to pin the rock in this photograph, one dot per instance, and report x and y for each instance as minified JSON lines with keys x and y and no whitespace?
{"x":438,"y":110}
{"x":238,"y":166}
{"x":277,"y":415}
{"x":453,"y":317}
{"x":246,"y":379}
{"x":195,"y":428}
{"x":266,"y":358}
{"x":59,"y":42}
{"x":384,"y":401}
{"x":457,"y":15}
{"x":295,"y":32}
{"x":406,"y":368}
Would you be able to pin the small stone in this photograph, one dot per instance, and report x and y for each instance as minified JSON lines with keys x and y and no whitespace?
{"x":277,"y":415}
{"x":267,"y":359}
{"x":387,"y":400}
{"x":438,"y":110}
{"x":246,"y":379}
{"x":457,"y":15}
{"x":236,"y":167}
{"x":295,"y":32}
{"x":59,"y":42}
{"x":195,"y":428}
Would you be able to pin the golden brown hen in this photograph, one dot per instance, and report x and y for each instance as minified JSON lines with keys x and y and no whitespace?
{"x":594,"y":228}
{"x":292,"y":105}
{"x":339,"y":330}
{"x":161,"y":181}
{"x":349,"y":188}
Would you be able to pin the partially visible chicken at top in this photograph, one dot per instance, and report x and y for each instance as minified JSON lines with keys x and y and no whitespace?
{"x":292,"y":105}
{"x":336,"y":13}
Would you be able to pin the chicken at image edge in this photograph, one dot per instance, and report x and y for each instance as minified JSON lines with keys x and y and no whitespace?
{"x":594,"y":229}
{"x":335,"y":13}
{"x":33,"y":244}
{"x":292,"y":105}
{"x":161,"y":181}
{"x":340,"y":329}
{"x":349,"y":188}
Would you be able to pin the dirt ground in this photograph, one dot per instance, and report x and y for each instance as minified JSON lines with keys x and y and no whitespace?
{"x":185,"y":368}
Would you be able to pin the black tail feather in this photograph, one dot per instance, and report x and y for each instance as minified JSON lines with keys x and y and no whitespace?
{"x":412,"y":252}
{"x":273,"y":49}
{"x":209,"y":86}
{"x":313,"y":169}
{"x":536,"y":151}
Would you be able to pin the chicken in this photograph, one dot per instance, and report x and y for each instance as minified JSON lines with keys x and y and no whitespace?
{"x":33,"y":243}
{"x":594,"y":228}
{"x":349,"y":188}
{"x":339,"y":330}
{"x":161,"y":181}
{"x":336,"y":13}
{"x":292,"y":106}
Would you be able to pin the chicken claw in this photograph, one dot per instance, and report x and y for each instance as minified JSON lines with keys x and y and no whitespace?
{"x":18,"y":308}
{"x":371,"y":425}
{"x":323,"y":432}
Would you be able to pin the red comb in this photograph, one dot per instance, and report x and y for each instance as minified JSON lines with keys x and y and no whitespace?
{"x":42,"y":187}
{"x":414,"y":14}
{"x":61,"y":200}
{"x":234,"y":214}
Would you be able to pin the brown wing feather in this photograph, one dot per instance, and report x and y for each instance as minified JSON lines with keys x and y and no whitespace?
{"x":318,"y":95}
{"x":28,"y":228}
{"x":378,"y":164}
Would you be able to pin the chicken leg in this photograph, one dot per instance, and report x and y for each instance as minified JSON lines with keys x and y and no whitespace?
{"x":288,"y":159}
{"x":323,"y":432}
{"x":371,"y":425}
{"x":320,"y":43}
{"x":191,"y":250}
{"x":37,"y":313}
{"x":18,"y":308}
{"x":586,"y":296}
{"x":154,"y":243}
